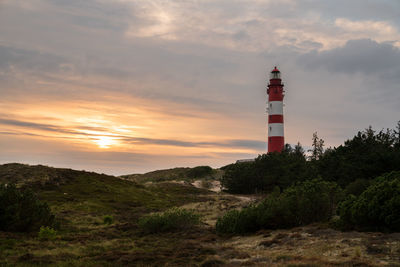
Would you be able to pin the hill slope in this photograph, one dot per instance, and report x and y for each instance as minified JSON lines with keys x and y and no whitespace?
{"x":81,"y":199}
{"x":177,"y":174}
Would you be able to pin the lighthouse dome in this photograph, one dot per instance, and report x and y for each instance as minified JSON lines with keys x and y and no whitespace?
{"x":275,"y":74}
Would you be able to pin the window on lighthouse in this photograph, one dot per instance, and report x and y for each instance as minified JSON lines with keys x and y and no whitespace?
{"x":275,"y":75}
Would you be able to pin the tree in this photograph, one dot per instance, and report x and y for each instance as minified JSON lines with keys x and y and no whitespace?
{"x":318,"y":147}
{"x":240,"y":178}
{"x":397,"y":135}
{"x":366,"y":156}
{"x":22,"y":211}
{"x":377,"y":208}
{"x":298,"y":150}
{"x":287,"y":148}
{"x":266,"y":172}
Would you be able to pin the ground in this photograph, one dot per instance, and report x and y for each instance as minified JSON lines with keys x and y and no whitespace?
{"x":80,"y":201}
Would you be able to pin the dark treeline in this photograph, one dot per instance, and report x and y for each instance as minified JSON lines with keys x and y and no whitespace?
{"x":358,"y":181}
{"x":353,"y":164}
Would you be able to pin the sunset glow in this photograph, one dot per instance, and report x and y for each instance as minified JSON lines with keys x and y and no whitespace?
{"x":105,"y":141}
{"x":132,"y":86}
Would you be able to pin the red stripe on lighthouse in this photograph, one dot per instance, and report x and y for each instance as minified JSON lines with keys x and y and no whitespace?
{"x":275,"y":119}
{"x":275,"y":143}
{"x":276,"y":97}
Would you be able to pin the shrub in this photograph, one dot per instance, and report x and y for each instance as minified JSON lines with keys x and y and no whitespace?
{"x":200,"y":171}
{"x":357,"y":187}
{"x":239,"y":222}
{"x":312,"y":201}
{"x":266,"y":172}
{"x":367,"y":155}
{"x":170,"y":220}
{"x":47,"y":233}
{"x":240,"y":178}
{"x":376,"y":209}
{"x":21,"y":211}
{"x":304,"y":203}
{"x":108,"y":219}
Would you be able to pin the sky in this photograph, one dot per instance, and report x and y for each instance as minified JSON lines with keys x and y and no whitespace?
{"x":130,"y":86}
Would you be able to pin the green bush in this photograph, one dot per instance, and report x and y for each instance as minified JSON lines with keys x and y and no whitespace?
{"x":200,"y":171}
{"x":239,"y":221}
{"x":47,"y":233}
{"x":367,"y":155}
{"x":301,"y":204}
{"x":362,"y":158}
{"x":312,"y":201}
{"x":266,"y":172}
{"x":376,"y":209}
{"x":170,"y":220}
{"x":21,"y":211}
{"x":240,"y":178}
{"x":357,"y":187}
{"x":108,"y":219}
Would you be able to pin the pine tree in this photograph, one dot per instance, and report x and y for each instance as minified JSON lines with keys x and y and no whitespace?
{"x":298,"y":150}
{"x":318,"y":147}
{"x":397,"y":135}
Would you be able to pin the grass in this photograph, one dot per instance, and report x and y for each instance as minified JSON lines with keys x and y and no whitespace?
{"x":177,"y":174}
{"x":81,"y":200}
{"x":171,"y":220}
{"x":47,"y":233}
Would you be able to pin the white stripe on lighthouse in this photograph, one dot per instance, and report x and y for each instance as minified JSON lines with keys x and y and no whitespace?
{"x":275,"y":129}
{"x":275,"y":108}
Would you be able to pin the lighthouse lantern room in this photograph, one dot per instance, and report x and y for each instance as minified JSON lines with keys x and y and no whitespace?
{"x":275,"y":112}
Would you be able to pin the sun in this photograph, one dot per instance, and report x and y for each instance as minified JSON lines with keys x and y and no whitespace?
{"x":104,"y":141}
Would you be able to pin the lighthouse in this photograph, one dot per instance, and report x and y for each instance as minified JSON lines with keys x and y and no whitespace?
{"x":275,"y":93}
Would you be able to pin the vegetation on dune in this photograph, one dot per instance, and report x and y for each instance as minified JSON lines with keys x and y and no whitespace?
{"x":366,"y":156}
{"x":22,"y":211}
{"x":81,"y":201}
{"x":36,"y":176}
{"x":300,"y":204}
{"x":200,"y":171}
{"x":376,"y":209}
{"x":170,"y":220}
{"x":178,"y":174}
{"x":265,"y":173}
{"x":357,"y":187}
{"x":369,"y":204}
{"x":92,"y":192}
{"x":47,"y":233}
{"x":105,"y":220}
{"x":108,"y":219}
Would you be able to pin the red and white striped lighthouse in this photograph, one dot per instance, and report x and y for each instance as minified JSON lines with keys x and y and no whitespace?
{"x":275,"y":93}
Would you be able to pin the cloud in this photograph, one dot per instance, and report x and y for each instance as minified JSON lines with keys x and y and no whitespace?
{"x":36,"y":126}
{"x":357,"y":56}
{"x":11,"y":58}
{"x":99,"y":132}
{"x":188,"y":77}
